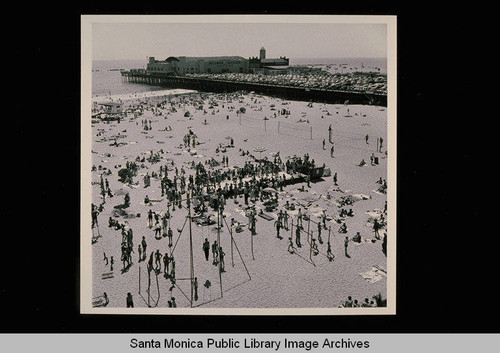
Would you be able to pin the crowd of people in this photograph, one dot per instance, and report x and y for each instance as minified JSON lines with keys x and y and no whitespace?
{"x":204,"y":188}
{"x":375,"y":301}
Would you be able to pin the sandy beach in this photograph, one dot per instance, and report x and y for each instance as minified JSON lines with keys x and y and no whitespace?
{"x":272,"y":277}
{"x":132,"y":98}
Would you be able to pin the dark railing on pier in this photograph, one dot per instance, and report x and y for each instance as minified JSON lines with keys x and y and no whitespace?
{"x":276,"y":90}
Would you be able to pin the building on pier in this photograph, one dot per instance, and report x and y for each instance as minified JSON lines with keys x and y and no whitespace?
{"x":183,"y":65}
{"x":267,"y":66}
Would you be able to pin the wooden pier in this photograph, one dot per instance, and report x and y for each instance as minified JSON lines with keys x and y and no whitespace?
{"x":282,"y":91}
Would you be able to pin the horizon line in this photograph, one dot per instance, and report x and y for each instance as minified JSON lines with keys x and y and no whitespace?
{"x":298,"y":57}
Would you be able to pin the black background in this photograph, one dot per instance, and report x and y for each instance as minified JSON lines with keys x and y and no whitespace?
{"x":446,"y":258}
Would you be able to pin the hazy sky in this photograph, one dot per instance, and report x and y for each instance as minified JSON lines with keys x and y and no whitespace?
{"x":112,"y":41}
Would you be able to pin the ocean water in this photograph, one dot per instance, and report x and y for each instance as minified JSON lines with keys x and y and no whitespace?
{"x":107,"y":80}
{"x":346,"y":64}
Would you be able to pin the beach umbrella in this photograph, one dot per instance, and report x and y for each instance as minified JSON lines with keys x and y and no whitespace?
{"x":260,"y":150}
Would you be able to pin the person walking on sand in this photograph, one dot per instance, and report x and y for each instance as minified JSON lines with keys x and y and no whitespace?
{"x":166,"y":265}
{"x":277,"y":224}
{"x":329,"y":253}
{"x":214,"y":252}
{"x":335,"y":179}
{"x":314,"y":246}
{"x":150,"y":262}
{"x":253,"y":223}
{"x":158,"y":257}
{"x":108,"y":190}
{"x":150,"y":218}
{"x":291,"y":249}
{"x":330,"y":133}
{"x":158,"y":232}
{"x":170,"y":235}
{"x":331,"y":151}
{"x":323,"y":218}
{"x":346,"y":244}
{"x":144,"y":247}
{"x":319,"y":233}
{"x":297,"y":237}
{"x":376,"y":227}
{"x":299,"y":219}
{"x":103,"y":190}
{"x":130,"y":300}
{"x":323,"y":143}
{"x":285,"y":219}
{"x":366,"y":139}
{"x":206,"y":248}
{"x":95,"y":213}
{"x":221,"y":258}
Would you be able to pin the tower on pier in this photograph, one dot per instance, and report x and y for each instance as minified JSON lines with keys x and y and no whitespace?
{"x":262,"y":53}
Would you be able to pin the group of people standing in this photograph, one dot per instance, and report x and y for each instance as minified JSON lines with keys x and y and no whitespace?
{"x":211,"y":187}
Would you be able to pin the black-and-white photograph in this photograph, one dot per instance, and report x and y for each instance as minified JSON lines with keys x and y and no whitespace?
{"x":238,"y":164}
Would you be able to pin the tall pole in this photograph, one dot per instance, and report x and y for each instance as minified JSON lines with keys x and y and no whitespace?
{"x":149,"y":286}
{"x":308,"y":226}
{"x":310,"y":250}
{"x":191,"y":263}
{"x":232,"y":241}
{"x":251,"y":235}
{"x":220,"y":249}
{"x":236,"y":246}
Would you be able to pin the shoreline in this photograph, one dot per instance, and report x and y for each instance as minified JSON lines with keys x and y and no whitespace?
{"x":141,"y":95}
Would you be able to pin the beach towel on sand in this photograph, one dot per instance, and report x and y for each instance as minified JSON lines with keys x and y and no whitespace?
{"x":374,"y":275}
{"x":266,"y":216}
{"x":364,"y":240}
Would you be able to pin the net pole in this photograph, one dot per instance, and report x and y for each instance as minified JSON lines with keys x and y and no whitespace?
{"x":220,"y":249}
{"x":251,"y":242}
{"x":232,"y":241}
{"x":191,"y":262}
